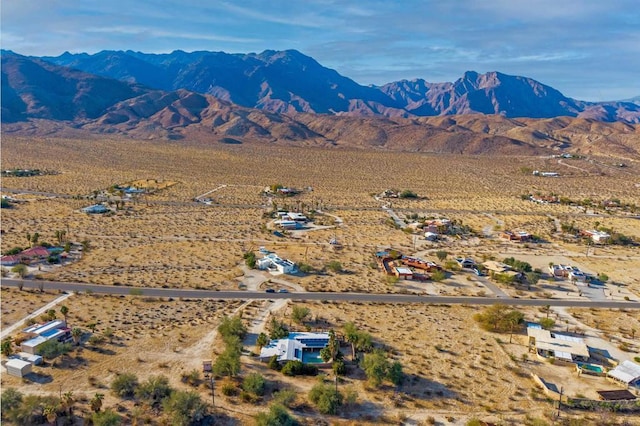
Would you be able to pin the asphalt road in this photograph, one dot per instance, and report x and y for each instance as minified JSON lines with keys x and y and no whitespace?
{"x":338,"y":297}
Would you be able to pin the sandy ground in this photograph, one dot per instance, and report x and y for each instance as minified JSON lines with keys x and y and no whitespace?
{"x":166,"y":239}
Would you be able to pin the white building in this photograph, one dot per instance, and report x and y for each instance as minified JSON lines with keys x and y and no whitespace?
{"x":272,"y":262}
{"x":17,"y":367}
{"x":560,"y":346}
{"x":627,"y":373}
{"x":304,"y":347}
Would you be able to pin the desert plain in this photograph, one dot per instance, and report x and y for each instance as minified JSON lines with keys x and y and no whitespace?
{"x":455,"y":372}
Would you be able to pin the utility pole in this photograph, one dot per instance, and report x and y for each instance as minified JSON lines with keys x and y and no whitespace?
{"x":560,"y":402}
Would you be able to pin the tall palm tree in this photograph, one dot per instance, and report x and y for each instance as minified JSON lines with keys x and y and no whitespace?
{"x":64,"y":311}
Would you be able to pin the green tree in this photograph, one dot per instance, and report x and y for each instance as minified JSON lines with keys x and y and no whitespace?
{"x":185,"y":408}
{"x":86,"y":245}
{"x":499,"y":318}
{"x":53,"y":349}
{"x":254,"y":383}
{"x":34,"y":239}
{"x":11,"y":398}
{"x":50,"y":412}
{"x":332,"y":350}
{"x":376,"y":367}
{"x":532,"y":278}
{"x":106,"y":418}
{"x":60,"y":237}
{"x":441,"y":255}
{"x":300,"y":313}
{"x":227,"y":363}
{"x":351,"y":334}
{"x":6,"y":348}
{"x":547,"y":323}
{"x":339,"y":368}
{"x":108,"y":334}
{"x":262,"y":341}
{"x":68,"y":400}
{"x":408,"y":194}
{"x":325,"y":398}
{"x":96,"y":402}
{"x":602,"y":277}
{"x":250,"y":259}
{"x":231,"y":326}
{"x":277,"y":416}
{"x":154,"y":389}
{"x":20,"y":269}
{"x":124,"y":385}
{"x":277,"y":329}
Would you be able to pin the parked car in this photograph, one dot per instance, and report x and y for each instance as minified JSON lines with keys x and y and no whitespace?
{"x":478,"y":272}
{"x":270,"y":290}
{"x":283,"y":290}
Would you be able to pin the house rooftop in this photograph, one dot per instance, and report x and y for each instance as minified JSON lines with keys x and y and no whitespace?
{"x":626,"y":372}
{"x":562,"y":345}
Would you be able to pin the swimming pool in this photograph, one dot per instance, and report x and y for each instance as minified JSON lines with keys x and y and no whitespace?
{"x":309,"y":357}
{"x":50,"y":333}
{"x":590,"y":368}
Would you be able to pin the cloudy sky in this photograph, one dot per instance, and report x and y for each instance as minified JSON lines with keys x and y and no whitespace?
{"x":587,"y":49}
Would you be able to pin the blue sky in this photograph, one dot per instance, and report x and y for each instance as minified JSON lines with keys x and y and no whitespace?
{"x":587,"y":49}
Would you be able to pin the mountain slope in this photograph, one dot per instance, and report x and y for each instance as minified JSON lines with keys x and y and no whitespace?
{"x":288,"y":81}
{"x":33,"y":88}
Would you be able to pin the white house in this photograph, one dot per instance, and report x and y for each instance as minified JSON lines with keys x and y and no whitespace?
{"x":304,"y":347}
{"x":598,"y":236}
{"x":627,"y":373}
{"x":272,"y":262}
{"x":561,"y":346}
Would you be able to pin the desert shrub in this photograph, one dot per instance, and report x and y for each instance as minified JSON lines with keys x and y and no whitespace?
{"x":297,"y":368}
{"x":285,"y":397}
{"x":185,"y":408}
{"x":11,"y":398}
{"x":334,"y":266}
{"x":124,"y":385}
{"x":154,"y":389}
{"x":277,"y":416}
{"x":107,"y":417}
{"x":229,"y":389}
{"x":325,"y":398}
{"x":273,"y":363}
{"x":254,"y":383}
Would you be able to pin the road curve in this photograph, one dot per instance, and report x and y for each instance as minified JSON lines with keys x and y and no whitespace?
{"x":328,"y":296}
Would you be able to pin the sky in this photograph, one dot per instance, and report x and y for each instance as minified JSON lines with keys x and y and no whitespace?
{"x":587,"y":49}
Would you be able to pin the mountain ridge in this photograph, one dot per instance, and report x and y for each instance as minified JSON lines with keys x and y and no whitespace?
{"x":288,"y":81}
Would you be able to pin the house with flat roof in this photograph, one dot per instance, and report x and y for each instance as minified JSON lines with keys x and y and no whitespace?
{"x":42,"y":333}
{"x":304,"y":347}
{"x":596,"y":236}
{"x":273,"y":263}
{"x":627,"y":373}
{"x":548,"y":344}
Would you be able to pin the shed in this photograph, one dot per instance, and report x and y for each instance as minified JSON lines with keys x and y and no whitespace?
{"x":616,"y":395}
{"x":17,"y":367}
{"x":405,"y":273}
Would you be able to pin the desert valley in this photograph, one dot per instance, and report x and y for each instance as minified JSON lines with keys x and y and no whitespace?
{"x":175,"y":257}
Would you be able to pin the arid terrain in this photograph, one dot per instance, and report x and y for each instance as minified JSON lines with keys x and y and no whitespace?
{"x":455,"y":371}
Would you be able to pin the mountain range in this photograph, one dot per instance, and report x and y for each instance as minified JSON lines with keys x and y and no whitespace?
{"x":287,"y":96}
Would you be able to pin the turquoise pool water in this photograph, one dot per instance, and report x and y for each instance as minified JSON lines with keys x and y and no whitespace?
{"x":311,"y":358}
{"x":591,"y":367}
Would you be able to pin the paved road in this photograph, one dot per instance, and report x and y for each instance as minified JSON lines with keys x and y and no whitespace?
{"x":338,"y":297}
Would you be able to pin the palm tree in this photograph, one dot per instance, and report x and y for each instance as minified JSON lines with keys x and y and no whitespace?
{"x":96,"y":402}
{"x":76,"y":333}
{"x":50,"y":412}
{"x":351,"y":335}
{"x":64,"y":311}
